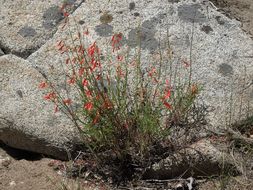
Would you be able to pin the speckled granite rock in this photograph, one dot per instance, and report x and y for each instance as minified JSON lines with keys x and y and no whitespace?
{"x":199,"y":159}
{"x":28,"y":24}
{"x":26,"y":120}
{"x":221,"y":53}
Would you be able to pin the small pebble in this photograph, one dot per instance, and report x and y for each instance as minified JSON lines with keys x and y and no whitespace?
{"x":5,"y":161}
{"x":12,"y":183}
{"x":59,"y":172}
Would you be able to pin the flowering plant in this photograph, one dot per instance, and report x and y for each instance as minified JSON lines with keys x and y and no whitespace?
{"x":115,"y":102}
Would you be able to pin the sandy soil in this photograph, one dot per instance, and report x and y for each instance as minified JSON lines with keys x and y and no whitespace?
{"x":20,"y":170}
{"x":25,"y":171}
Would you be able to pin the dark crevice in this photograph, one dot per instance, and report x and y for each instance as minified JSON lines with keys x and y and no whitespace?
{"x":19,"y":154}
{"x":2,"y":50}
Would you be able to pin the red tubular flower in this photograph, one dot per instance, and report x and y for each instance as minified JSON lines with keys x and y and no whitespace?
{"x":74,"y":60}
{"x":60,"y":43}
{"x":167,"y":94}
{"x":67,"y":60}
{"x":96,"y":119}
{"x":50,"y":96}
{"x":85,"y":82}
{"x":72,"y":80}
{"x":82,"y":61}
{"x":120,"y":58}
{"x":86,"y":32}
{"x":167,"y":82}
{"x":88,"y":106}
{"x":151,"y":72}
{"x":43,"y":85}
{"x":93,"y":67}
{"x":61,"y":47}
{"x":93,"y":49}
{"x":67,"y":101}
{"x":98,"y":77}
{"x":116,"y":38}
{"x":65,"y":14}
{"x":81,"y":50}
{"x":94,"y":64}
{"x":81,"y":71}
{"x":92,"y":61}
{"x":88,"y":93}
{"x":56,"y":108}
{"x":167,"y":105}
